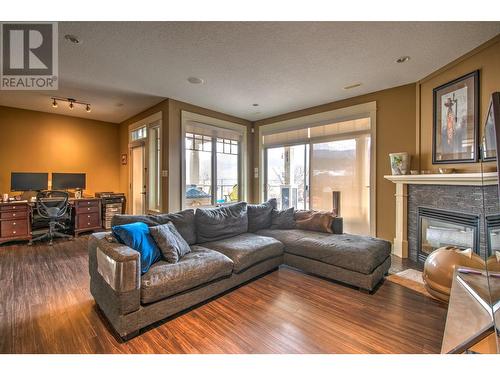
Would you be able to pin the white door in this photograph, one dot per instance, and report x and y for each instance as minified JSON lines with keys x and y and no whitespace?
{"x":138,"y":186}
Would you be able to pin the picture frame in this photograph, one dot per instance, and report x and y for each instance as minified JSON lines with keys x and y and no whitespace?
{"x":455,"y":131}
{"x":124,"y":159}
{"x":489,"y":140}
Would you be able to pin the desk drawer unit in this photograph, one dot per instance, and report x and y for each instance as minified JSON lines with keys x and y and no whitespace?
{"x":15,"y":222}
{"x":87,"y":215}
{"x":90,"y":220}
{"x":14,"y":228}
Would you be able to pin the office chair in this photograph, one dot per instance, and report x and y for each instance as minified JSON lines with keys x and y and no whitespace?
{"x":54,"y":206}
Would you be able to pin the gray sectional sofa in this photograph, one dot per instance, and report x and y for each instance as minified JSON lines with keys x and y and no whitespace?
{"x":224,"y":254}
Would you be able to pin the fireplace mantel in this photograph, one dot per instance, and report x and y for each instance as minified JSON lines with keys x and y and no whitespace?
{"x":400,"y":247}
{"x":467,"y":179}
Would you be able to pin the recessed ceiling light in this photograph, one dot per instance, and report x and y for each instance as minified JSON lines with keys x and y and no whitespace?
{"x":72,"y":38}
{"x":402,"y":59}
{"x":195,"y":80}
{"x":255,"y":104}
{"x":352,"y":86}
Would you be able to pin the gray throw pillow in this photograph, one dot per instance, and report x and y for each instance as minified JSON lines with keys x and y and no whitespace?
{"x":284,"y":219}
{"x":183,"y":221}
{"x":214,"y":224}
{"x":171,"y":244}
{"x":260,"y":215}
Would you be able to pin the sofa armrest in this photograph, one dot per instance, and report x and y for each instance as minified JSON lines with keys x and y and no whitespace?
{"x":338,"y":225}
{"x":115,"y":274}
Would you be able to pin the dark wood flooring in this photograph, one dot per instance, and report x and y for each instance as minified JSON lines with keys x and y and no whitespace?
{"x":46,"y":307}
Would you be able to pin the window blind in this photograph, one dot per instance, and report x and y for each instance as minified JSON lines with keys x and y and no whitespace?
{"x":212,"y":131}
{"x":311,"y":133}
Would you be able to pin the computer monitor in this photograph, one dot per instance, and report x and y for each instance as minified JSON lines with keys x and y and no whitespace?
{"x":21,"y":181}
{"x":64,"y":181}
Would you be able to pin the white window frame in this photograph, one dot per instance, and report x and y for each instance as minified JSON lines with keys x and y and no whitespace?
{"x":187,"y":117}
{"x":148,"y":122}
{"x":365,"y":110}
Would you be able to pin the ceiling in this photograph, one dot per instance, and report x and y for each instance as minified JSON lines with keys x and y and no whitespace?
{"x":122,"y":68}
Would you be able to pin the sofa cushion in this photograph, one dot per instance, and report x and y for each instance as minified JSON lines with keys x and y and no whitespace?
{"x":260,"y":215}
{"x":356,"y":253}
{"x":172,"y":245}
{"x":247,"y":249}
{"x":222,"y":222}
{"x":183,"y":221}
{"x":199,"y":267}
{"x":137,"y":237}
{"x":284,"y":219}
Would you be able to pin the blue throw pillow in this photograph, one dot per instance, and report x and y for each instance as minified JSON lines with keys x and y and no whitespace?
{"x":137,"y":236}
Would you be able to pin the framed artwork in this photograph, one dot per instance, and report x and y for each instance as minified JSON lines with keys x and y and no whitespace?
{"x":489,"y":148}
{"x":456,"y":121}
{"x":124,"y":159}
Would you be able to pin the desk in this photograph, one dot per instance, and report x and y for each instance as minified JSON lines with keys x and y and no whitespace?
{"x":16,"y":218}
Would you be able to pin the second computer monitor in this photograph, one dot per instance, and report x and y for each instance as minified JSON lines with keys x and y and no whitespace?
{"x":65,"y":181}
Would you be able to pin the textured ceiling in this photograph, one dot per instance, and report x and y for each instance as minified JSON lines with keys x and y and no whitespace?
{"x":123,"y":68}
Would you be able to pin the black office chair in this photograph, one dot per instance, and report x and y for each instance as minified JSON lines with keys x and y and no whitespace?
{"x":54,"y":206}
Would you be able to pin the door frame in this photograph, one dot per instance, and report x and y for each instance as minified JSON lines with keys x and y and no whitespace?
{"x":155,"y":120}
{"x":136,"y":144}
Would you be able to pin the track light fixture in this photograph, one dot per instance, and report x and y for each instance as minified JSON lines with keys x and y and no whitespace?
{"x":71,"y":102}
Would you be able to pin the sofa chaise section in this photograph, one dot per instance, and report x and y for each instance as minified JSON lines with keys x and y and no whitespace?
{"x":357,"y":260}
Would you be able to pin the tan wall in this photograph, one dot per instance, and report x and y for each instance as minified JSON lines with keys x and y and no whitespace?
{"x":171,"y":142}
{"x":395,"y":133}
{"x":33,"y":141}
{"x":486,"y":58}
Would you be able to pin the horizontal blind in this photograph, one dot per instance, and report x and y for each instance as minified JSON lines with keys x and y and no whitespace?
{"x":339,"y":128}
{"x":285,"y":138}
{"x":312,"y":133}
{"x":212,"y":131}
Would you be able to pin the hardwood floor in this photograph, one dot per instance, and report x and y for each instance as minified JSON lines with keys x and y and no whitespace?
{"x":46,"y":307}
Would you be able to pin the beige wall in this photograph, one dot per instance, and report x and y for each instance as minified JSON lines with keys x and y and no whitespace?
{"x":171,"y":142}
{"x":486,"y":59}
{"x":33,"y":141}
{"x":395,"y":132}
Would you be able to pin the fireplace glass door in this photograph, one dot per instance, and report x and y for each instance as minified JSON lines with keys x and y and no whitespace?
{"x":444,"y":228}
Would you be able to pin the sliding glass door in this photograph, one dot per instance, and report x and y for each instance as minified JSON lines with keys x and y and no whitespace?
{"x":332,"y":160}
{"x":343,"y":166}
{"x":287,"y":176}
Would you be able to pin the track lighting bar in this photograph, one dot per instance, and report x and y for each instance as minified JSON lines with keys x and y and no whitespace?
{"x":71,"y":102}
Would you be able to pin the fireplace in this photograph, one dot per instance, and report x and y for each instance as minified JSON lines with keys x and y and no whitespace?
{"x":437,"y":228}
{"x":493,"y":233}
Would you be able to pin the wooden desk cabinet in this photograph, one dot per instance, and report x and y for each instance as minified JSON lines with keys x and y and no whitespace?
{"x":86,"y":215}
{"x":15,"y":221}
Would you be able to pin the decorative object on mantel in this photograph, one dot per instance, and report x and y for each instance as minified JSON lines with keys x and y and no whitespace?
{"x":440,"y":266}
{"x":456,"y":121}
{"x":414,"y":172}
{"x":400,"y":163}
{"x":446,"y":170}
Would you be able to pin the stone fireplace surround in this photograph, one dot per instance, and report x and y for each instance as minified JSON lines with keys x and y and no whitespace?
{"x":458,"y":192}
